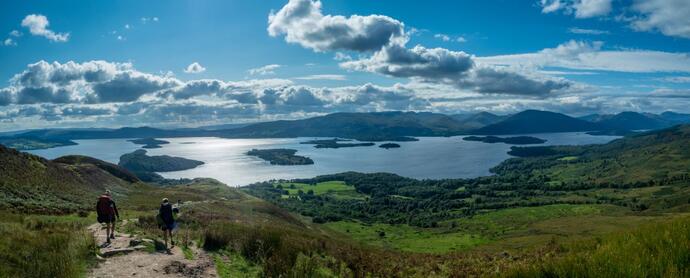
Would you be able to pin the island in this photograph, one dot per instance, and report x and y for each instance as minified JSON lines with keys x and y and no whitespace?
{"x":389,"y":146}
{"x":149,"y":143}
{"x":335,"y":143}
{"x":517,"y":140}
{"x":281,"y":156}
{"x":612,"y":132}
{"x":138,"y":162}
{"x":33,"y":143}
{"x":380,"y":138}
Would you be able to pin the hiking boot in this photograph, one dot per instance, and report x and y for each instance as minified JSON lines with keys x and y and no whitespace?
{"x":108,"y":240}
{"x":112,"y":236}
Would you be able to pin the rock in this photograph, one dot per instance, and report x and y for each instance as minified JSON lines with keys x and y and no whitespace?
{"x":119,"y":251}
{"x":135,"y":242}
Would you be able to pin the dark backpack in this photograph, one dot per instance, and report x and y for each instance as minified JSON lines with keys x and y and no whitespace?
{"x":103,"y":207}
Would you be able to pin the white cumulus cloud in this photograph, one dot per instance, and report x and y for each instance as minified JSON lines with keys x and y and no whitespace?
{"x":302,"y":22}
{"x":194,"y":68}
{"x":38,"y":26}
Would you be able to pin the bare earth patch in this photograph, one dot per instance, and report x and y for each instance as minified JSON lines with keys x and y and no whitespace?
{"x":121,"y":259}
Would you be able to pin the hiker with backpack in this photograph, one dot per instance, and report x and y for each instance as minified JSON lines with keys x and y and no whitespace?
{"x":107,"y":213}
{"x":166,"y":220}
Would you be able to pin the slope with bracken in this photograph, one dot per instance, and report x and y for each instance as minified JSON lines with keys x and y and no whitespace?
{"x":29,"y":182}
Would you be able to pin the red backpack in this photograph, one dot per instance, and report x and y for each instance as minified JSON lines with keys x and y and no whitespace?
{"x":104,"y":208}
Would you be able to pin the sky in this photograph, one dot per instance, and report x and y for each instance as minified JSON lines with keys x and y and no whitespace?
{"x":194,"y":63}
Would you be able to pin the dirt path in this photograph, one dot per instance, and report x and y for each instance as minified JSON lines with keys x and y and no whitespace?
{"x":127,"y":256}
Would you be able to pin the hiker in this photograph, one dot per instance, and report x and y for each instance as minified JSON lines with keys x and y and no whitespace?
{"x":167,"y":219}
{"x":107,"y":213}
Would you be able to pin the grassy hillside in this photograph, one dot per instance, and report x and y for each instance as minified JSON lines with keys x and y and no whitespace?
{"x":32,"y":183}
{"x":536,"y":202}
{"x":657,"y":157}
{"x":616,"y":209}
{"x":652,"y":250}
{"x":33,"y":143}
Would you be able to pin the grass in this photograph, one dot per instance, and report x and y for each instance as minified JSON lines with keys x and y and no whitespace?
{"x":231,"y":264}
{"x":653,"y":250}
{"x":44,"y":246}
{"x":506,"y":229}
{"x":568,"y":158}
{"x":188,"y":253}
{"x":336,"y":189}
{"x":501,"y":221}
{"x":408,"y":238}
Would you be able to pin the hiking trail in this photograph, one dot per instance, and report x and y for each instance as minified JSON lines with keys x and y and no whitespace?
{"x":128,"y":256}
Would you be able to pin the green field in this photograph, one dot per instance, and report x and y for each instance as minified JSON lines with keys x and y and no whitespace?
{"x":407,"y":238}
{"x":336,"y":189}
{"x":508,"y":228}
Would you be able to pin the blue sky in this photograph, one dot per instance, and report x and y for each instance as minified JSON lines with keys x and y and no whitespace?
{"x":263,"y":60}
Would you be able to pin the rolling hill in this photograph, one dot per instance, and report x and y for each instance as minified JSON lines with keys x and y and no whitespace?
{"x":676,"y":118}
{"x":374,"y":126}
{"x":379,"y":126}
{"x":32,"y":183}
{"x":654,"y":156}
{"x":481,"y":119}
{"x":631,"y":121}
{"x":535,"y":121}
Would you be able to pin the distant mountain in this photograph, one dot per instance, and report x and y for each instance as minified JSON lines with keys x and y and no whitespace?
{"x":592,"y":117}
{"x":378,"y":126}
{"x":381,"y":126}
{"x":222,"y":126}
{"x":631,"y":121}
{"x":481,"y":119}
{"x":125,"y":132}
{"x":675,"y":118}
{"x":535,"y":121}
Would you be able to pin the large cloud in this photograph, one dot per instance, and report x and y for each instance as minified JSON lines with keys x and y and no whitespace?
{"x":670,"y":17}
{"x":88,"y":82}
{"x":302,"y":22}
{"x":419,"y":61}
{"x":458,"y":68}
{"x":116,"y":93}
{"x":580,"y":8}
{"x":590,"y":56}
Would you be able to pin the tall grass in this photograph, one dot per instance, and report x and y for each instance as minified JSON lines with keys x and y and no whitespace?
{"x":653,"y":250}
{"x":43,"y":246}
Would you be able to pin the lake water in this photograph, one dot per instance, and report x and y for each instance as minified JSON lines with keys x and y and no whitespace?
{"x":430,"y":157}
